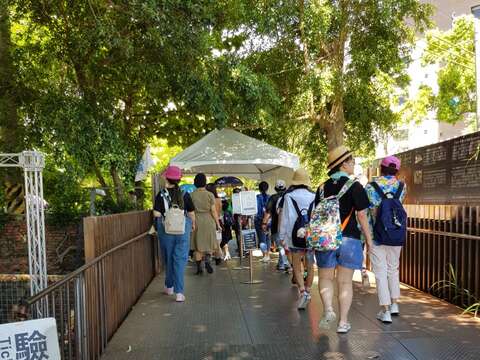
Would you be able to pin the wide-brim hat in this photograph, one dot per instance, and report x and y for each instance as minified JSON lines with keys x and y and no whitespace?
{"x":301,"y":177}
{"x":337,"y":156}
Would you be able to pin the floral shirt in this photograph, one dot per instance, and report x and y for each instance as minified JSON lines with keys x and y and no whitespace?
{"x":389,"y":184}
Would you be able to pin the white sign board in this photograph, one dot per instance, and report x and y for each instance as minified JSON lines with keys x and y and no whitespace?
{"x":236,"y":204}
{"x":33,"y":339}
{"x":248,"y":200}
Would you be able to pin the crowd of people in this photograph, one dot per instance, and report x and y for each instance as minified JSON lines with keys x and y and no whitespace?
{"x":329,"y":229}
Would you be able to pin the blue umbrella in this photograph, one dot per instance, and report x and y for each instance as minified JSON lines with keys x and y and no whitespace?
{"x":228,"y":181}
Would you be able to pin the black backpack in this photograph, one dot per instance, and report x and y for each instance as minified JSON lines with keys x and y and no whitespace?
{"x":301,"y":222}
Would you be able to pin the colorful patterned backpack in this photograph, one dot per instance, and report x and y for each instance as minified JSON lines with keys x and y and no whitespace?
{"x":324,"y":232}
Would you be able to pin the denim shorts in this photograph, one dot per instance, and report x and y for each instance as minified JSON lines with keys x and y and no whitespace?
{"x":348,"y":255}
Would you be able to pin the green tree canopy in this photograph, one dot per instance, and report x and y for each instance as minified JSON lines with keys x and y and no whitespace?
{"x":454,"y":52}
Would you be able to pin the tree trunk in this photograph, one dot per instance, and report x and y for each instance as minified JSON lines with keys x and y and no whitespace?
{"x":11,"y":130}
{"x":117,"y":182}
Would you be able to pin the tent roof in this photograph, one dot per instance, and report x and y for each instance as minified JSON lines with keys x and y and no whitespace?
{"x":228,"y":152}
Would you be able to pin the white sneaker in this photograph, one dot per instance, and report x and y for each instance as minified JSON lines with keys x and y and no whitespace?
{"x":227,"y":256}
{"x":344,"y":328}
{"x":180,"y":298}
{"x":168,"y":291}
{"x":265,"y":259}
{"x":327,"y":319}
{"x":384,"y":316}
{"x":394,"y":310}
{"x":304,"y":300}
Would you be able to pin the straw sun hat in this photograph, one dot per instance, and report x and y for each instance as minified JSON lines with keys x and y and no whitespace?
{"x":301,"y":177}
{"x":338,"y":156}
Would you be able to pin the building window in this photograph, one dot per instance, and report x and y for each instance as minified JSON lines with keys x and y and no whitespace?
{"x":425,"y":131}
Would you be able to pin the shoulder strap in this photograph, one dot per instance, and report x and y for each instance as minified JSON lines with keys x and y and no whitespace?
{"x":399,"y":190}
{"x":297,"y":209}
{"x":347,"y":219}
{"x":378,"y":190}
{"x":319,"y":195}
{"x":345,"y":187}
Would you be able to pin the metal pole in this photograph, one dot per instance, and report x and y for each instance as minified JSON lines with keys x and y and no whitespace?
{"x":240,"y":265}
{"x":476,"y":16}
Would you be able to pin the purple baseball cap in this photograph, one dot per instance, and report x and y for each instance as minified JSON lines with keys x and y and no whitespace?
{"x":392,"y":162}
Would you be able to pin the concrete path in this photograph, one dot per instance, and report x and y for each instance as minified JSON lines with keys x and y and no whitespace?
{"x":225,"y":319}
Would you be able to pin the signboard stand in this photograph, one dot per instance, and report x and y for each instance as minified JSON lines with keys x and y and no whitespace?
{"x":252,"y":281}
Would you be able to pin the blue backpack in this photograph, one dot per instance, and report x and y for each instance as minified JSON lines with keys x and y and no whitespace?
{"x":391,"y":222}
{"x":302,"y":222}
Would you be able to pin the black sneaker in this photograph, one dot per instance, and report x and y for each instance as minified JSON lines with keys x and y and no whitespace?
{"x":209,"y":268}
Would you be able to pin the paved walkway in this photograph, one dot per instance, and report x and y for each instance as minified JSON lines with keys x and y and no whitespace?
{"x":225,"y":319}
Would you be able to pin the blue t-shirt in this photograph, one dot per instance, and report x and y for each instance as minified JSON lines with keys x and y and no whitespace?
{"x":262,"y":200}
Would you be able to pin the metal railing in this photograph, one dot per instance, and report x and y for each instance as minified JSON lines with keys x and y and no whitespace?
{"x":90,"y":303}
{"x":440,"y":238}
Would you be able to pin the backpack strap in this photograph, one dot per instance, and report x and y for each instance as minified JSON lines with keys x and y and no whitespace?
{"x":399,"y":190}
{"x":297,"y":209}
{"x":379,"y":191}
{"x":347,"y":219}
{"x":346,"y":187}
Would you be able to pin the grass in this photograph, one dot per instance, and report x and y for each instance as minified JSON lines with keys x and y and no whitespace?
{"x":470,"y":303}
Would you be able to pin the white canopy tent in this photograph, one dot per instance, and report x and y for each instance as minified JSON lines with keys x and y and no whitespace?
{"x":228,"y":152}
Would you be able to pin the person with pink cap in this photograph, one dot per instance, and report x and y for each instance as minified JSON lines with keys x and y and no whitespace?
{"x":385,"y":255}
{"x":174,"y":247}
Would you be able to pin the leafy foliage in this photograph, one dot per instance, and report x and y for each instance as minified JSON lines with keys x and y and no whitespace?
{"x":96,"y":81}
{"x":453,"y":50}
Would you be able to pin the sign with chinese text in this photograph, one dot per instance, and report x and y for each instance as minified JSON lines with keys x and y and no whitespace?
{"x":249,"y":240}
{"x":442,"y":173}
{"x":29,"y":340}
{"x":236,"y":204}
{"x":248,"y":200}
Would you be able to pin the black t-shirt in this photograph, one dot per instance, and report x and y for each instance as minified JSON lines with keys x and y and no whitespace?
{"x":355,"y":198}
{"x":272,"y":210}
{"x":186,"y":204}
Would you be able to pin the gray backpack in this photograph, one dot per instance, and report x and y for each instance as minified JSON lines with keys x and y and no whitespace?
{"x":174,"y":217}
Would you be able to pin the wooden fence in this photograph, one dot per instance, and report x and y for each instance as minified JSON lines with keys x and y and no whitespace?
{"x":440,"y":238}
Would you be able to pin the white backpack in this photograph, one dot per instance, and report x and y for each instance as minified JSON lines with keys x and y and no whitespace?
{"x":174,"y":219}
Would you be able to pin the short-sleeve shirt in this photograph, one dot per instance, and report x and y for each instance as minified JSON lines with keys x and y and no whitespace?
{"x":355,"y":198}
{"x":389,"y":185}
{"x":187,"y":201}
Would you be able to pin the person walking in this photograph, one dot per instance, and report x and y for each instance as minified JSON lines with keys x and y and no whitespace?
{"x":227,"y":223}
{"x":341,"y":262}
{"x":272,"y":216}
{"x":263,"y":236}
{"x":204,"y":238}
{"x":383,"y":193}
{"x":296,"y":203}
{"x":174,"y":247}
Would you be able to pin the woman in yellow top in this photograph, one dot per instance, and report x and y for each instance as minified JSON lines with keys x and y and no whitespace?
{"x":204,"y":238}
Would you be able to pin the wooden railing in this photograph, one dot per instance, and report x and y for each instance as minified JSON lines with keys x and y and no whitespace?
{"x":441,"y":238}
{"x":91,"y":302}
